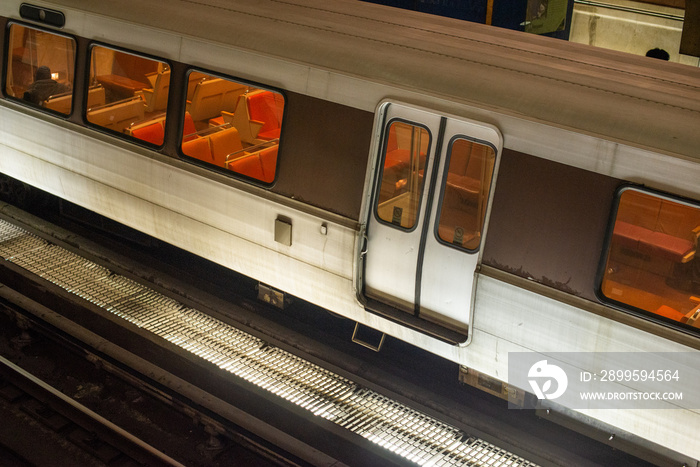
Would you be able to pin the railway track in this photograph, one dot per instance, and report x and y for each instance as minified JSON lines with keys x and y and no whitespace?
{"x":93,"y":440}
{"x":88,"y":410}
{"x":232,"y":373}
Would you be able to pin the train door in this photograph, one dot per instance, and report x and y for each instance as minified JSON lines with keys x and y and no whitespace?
{"x":427,"y":219}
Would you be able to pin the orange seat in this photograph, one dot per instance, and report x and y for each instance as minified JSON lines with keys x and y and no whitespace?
{"x":249,"y":166}
{"x":268,"y":159}
{"x":653,"y":243}
{"x":118,"y":115}
{"x":224,"y":143}
{"x":153,"y":133}
{"x":188,"y":130}
{"x":211,"y":96}
{"x":156,"y":97}
{"x":217,"y":121}
{"x":198,"y":148}
{"x":266,"y":107}
{"x":668,"y":312}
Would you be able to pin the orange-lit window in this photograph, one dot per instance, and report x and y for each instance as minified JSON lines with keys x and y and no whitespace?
{"x":40,"y":67}
{"x":465,"y":193}
{"x":232,"y":125}
{"x":652,"y":262}
{"x":402,"y":175}
{"x":128,"y":94}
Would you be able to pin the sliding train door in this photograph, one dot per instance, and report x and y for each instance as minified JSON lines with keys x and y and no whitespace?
{"x":427,"y":219}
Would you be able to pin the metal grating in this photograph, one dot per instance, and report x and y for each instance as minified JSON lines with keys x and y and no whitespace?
{"x":413,"y":435}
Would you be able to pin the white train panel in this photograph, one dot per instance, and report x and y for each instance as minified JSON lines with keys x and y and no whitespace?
{"x":511,"y":319}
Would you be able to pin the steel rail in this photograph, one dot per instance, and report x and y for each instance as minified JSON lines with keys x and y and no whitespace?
{"x":95,"y":417}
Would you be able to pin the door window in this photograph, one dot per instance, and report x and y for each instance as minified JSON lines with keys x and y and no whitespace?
{"x":402,"y":180}
{"x":465,"y":193}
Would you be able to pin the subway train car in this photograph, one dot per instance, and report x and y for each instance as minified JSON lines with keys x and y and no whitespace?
{"x":472,"y":191}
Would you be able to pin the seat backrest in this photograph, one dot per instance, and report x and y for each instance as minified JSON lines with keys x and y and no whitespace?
{"x":188,"y":129}
{"x":263,"y":106}
{"x":268,"y":159}
{"x":223,"y":143}
{"x":159,"y":99}
{"x":118,"y":115}
{"x":152,"y":132}
{"x":212,"y":96}
{"x":60,"y":103}
{"x":96,"y":96}
{"x":230,"y":98}
{"x":249,"y":166}
{"x":198,"y":148}
{"x":240,"y":118}
{"x":194,"y":78}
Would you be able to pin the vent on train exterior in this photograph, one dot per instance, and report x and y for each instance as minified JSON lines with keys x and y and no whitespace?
{"x":416,"y":436}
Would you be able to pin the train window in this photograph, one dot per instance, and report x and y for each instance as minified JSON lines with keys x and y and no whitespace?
{"x":652,"y":262}
{"x":232,"y":125}
{"x":402,"y":175}
{"x":465,"y":193}
{"x":40,"y":68}
{"x":128,"y":94}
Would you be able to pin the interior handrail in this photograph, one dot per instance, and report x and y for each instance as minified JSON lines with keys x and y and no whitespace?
{"x":232,"y":157}
{"x":111,"y":104}
{"x":149,"y":119}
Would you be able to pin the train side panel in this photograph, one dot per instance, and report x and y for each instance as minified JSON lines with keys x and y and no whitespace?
{"x":512,"y":319}
{"x":232,"y":227}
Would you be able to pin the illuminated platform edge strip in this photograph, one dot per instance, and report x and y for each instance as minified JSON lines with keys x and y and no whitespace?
{"x":411,"y":434}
